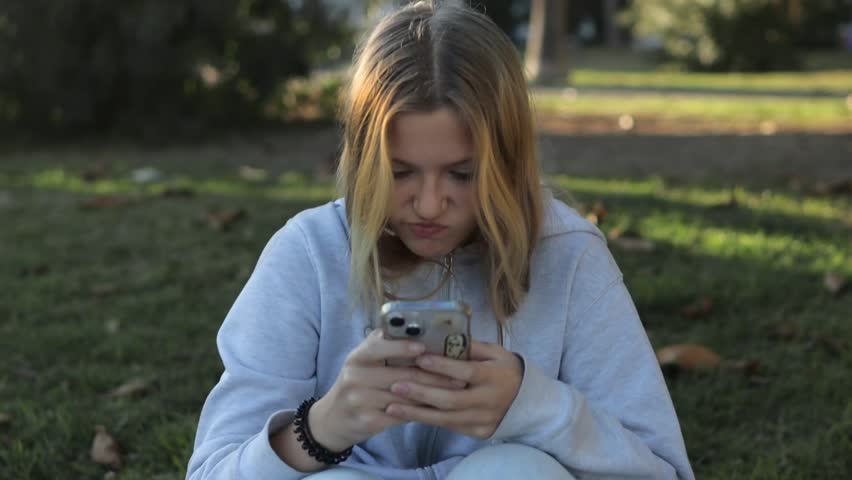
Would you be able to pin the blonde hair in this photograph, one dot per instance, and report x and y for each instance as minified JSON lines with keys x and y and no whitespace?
{"x":426,"y":56}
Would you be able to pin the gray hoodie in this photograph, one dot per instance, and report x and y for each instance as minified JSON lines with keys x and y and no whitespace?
{"x":592,"y":394}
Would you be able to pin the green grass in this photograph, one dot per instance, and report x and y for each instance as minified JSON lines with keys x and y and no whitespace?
{"x":813,"y":112}
{"x":837,"y":82}
{"x":63,"y":346}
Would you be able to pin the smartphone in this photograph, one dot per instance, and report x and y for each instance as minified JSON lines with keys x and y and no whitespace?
{"x":444,"y":327}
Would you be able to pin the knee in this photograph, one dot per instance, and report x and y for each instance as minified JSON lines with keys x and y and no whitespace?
{"x":509,"y":460}
{"x":342,"y":473}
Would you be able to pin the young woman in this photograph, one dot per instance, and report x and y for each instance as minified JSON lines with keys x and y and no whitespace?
{"x":441,"y":194}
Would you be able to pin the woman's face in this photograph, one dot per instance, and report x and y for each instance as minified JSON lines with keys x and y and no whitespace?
{"x":432,"y":207}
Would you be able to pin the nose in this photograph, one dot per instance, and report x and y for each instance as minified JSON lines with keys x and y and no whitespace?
{"x":429,"y":202}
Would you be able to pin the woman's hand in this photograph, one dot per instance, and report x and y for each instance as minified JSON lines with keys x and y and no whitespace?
{"x":493,"y":375}
{"x":354,"y":409}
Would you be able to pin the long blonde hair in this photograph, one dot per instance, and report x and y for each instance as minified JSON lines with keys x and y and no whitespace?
{"x":426,"y":56}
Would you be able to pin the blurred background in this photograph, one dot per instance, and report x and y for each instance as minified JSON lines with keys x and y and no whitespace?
{"x":149,"y":149}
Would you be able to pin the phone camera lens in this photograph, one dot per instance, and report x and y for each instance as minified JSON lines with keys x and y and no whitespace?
{"x":412,"y":331}
{"x":397,"y":322}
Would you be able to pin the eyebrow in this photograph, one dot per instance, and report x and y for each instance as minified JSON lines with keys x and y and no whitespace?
{"x":457,"y":163}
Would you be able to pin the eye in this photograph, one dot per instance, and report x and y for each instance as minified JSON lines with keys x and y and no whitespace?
{"x":399,"y":174}
{"x":461,"y":176}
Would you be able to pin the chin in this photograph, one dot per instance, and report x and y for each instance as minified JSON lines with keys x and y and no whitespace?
{"x":427,"y":249}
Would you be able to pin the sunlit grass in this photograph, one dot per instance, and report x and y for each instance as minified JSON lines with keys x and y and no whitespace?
{"x":780,"y":251}
{"x":767,"y":201}
{"x":838,"y":82}
{"x":64,"y":346}
{"x":799,"y":111}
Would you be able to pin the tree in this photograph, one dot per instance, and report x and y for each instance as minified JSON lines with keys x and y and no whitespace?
{"x":546,"y":54}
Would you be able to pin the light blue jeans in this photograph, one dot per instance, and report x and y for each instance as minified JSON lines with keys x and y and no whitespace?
{"x":500,"y":462}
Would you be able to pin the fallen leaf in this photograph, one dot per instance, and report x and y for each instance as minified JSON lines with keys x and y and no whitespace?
{"x":619,"y":232}
{"x":834,"y":283}
{"x":687,"y":356}
{"x":598,"y":214}
{"x":785,"y":331}
{"x":224,"y":219}
{"x":748,"y":367}
{"x":103,"y":289}
{"x":129,"y":388}
{"x":105,"y":450}
{"x":104,"y":201}
{"x":626,"y":122}
{"x":632,"y":244}
{"x":699,"y":308}
{"x":177,"y":192}
{"x":5,"y":419}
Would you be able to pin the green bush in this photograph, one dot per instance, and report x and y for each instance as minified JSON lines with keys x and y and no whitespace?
{"x":719,"y":35}
{"x":101,"y":65}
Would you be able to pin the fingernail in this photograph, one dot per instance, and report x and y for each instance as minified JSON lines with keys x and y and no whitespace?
{"x":459,"y":383}
{"x":424,"y":361}
{"x":416,"y":348}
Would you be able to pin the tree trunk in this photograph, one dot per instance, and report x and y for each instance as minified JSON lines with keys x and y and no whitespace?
{"x":546,"y":55}
{"x":610,"y":26}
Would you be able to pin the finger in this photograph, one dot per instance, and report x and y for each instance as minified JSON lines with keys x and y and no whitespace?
{"x":376,"y":349}
{"x":485,"y":351}
{"x":440,"y":398}
{"x":390,"y":375}
{"x":464,"y":370}
{"x":455,"y":420}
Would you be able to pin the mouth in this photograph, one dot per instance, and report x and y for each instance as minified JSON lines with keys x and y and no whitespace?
{"x":426,"y":230}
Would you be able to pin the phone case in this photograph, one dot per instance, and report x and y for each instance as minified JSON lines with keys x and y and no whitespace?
{"x":444,"y":327}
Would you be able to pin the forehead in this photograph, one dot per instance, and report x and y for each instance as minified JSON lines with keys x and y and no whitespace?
{"x":429,"y":138}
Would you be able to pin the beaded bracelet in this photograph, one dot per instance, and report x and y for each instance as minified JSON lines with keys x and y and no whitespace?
{"x":314,"y":449}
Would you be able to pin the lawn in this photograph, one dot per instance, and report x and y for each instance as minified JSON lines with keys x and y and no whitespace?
{"x":833,"y":82}
{"x":95,"y":297}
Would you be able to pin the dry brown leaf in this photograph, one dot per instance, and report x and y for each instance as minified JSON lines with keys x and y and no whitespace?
{"x":598,"y":213}
{"x":834,"y":283}
{"x":688,"y":356}
{"x":748,"y":367}
{"x":785,"y":331}
{"x":632,"y":244}
{"x":105,"y":450}
{"x":129,"y":388}
{"x":224,"y":219}
{"x":619,"y":232}
{"x":699,"y":308}
{"x":104,"y":201}
{"x":5,"y":419}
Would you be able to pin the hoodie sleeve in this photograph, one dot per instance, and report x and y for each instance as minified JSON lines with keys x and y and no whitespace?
{"x":609,"y":414}
{"x":268,"y":345}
